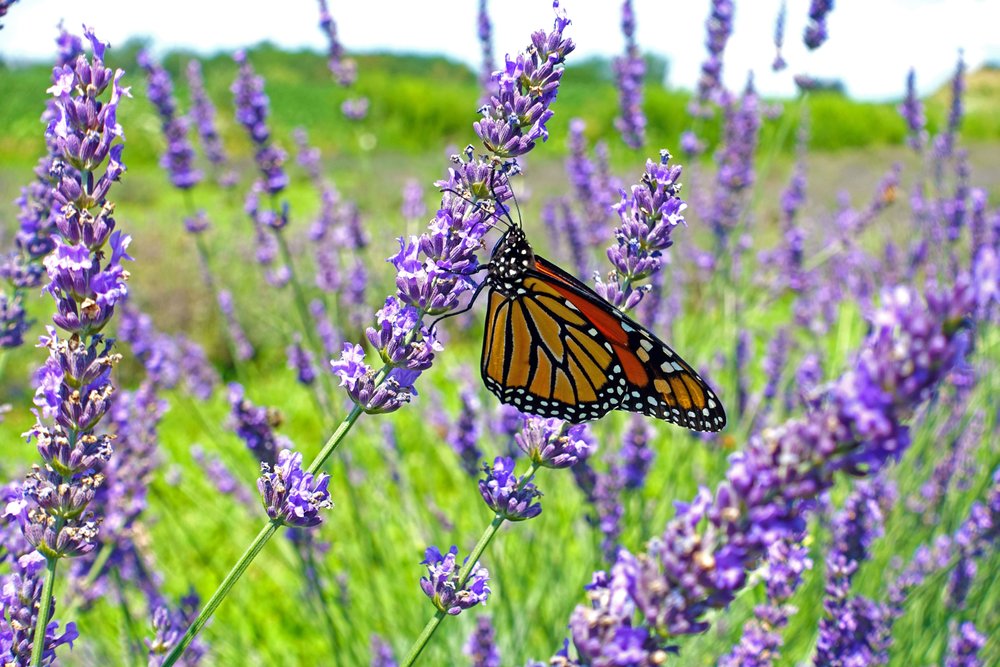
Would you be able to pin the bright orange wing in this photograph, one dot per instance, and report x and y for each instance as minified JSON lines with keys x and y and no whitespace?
{"x":560,"y":350}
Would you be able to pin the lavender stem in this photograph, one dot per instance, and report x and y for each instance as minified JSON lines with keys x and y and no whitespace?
{"x":220,"y":593}
{"x":44,"y":606}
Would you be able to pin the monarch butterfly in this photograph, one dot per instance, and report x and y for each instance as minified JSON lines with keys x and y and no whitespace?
{"x":553,"y":347}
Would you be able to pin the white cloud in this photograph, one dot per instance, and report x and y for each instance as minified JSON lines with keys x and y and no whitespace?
{"x":872,"y":44}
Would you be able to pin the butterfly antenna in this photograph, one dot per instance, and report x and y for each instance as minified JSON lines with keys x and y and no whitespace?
{"x":496,"y":197}
{"x":478,"y":205}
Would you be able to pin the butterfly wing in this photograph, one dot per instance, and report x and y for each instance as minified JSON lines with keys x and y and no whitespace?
{"x":559,"y":350}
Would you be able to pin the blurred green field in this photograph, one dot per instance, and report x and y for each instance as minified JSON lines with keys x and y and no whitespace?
{"x":379,"y":527}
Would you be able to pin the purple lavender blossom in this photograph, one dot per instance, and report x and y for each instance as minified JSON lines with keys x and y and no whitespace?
{"x":815,"y":32}
{"x":779,"y":64}
{"x":290,"y":495}
{"x":355,"y":108}
{"x":178,"y":159}
{"x":203,"y":115}
{"x":719,"y":27}
{"x":608,"y":506}
{"x":488,"y":65}
{"x":510,"y":496}
{"x":169,"y":623}
{"x":592,"y":185}
{"x":701,"y":560}
{"x":432,"y":270}
{"x":852,"y":629}
{"x":629,"y":70}
{"x":252,"y":109}
{"x":912,"y":111}
{"x":649,"y":214}
{"x":243,"y":348}
{"x":442,"y":583}
{"x":964,"y":645}
{"x":413,"y":207}
{"x":944,"y":143}
{"x":255,"y":426}
{"x":382,"y":655}
{"x":515,"y":117}
{"x":74,"y":386}
{"x":19,"y":599}
{"x":464,"y":434}
{"x":344,"y":70}
{"x":13,"y":321}
{"x":551,"y":443}
{"x":481,"y":647}
{"x":300,"y":360}
{"x":636,"y":455}
{"x":735,"y":176}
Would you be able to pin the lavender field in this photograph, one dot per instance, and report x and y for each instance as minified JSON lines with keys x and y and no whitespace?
{"x":236,"y":431}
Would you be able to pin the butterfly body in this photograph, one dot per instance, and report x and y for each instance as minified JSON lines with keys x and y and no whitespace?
{"x":553,"y":347}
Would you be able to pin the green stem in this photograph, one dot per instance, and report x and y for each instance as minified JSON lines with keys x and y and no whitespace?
{"x":220,"y":593}
{"x":44,"y":611}
{"x":331,"y":445}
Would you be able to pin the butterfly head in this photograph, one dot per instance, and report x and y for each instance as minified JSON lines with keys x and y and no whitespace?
{"x":511,"y":259}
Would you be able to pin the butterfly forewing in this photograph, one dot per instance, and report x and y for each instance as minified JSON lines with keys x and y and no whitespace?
{"x":554,"y":347}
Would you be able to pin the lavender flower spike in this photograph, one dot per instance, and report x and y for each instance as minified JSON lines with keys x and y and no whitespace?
{"x":482,"y":644}
{"x":815,"y":33}
{"x":550,"y":443}
{"x":442,"y":586}
{"x":291,"y":495}
{"x":178,"y":159}
{"x":630,"y":69}
{"x":508,"y":495}
{"x":912,"y":110}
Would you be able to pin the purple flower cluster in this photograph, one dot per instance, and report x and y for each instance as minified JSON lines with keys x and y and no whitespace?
{"x":382,"y":655}
{"x":442,"y":584}
{"x":852,"y":629}
{"x":169,"y":624}
{"x":252,"y":109}
{"x":815,"y":32}
{"x":649,"y":214}
{"x":464,"y":432}
{"x":203,"y":115}
{"x":702,"y":558}
{"x":719,"y":27}
{"x":292,"y":496}
{"x":964,"y":645}
{"x":735,"y":175}
{"x":510,"y":496}
{"x":779,"y":64}
{"x":413,"y":207}
{"x":592,"y":185}
{"x":636,"y":455}
{"x":551,"y":443}
{"x":488,"y":65}
{"x":255,"y":426}
{"x":19,"y":598}
{"x":432,"y":271}
{"x":515,"y":118}
{"x":481,"y":648}
{"x":912,"y":111}
{"x":944,"y":143}
{"x":344,"y":70}
{"x":629,"y":70}
{"x":178,"y":159}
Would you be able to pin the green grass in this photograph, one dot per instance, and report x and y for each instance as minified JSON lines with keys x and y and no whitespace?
{"x":379,"y":527}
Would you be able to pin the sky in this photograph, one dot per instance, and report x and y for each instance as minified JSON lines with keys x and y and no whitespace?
{"x":872,"y":45}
